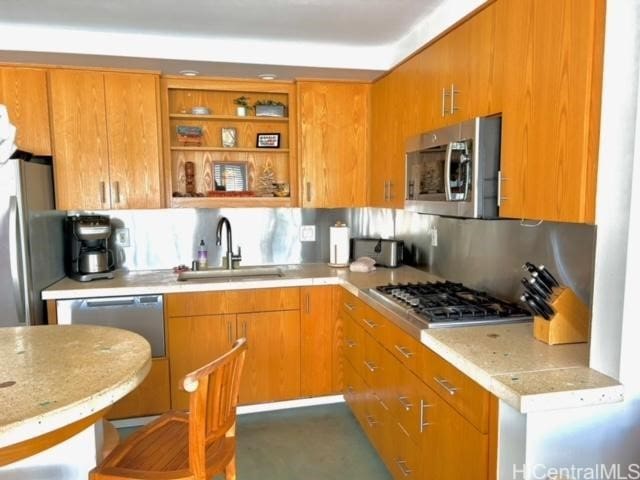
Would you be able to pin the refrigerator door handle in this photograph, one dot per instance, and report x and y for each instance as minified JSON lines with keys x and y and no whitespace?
{"x":14,"y":258}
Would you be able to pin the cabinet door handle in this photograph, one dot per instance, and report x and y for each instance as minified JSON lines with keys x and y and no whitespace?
{"x":444,"y":383}
{"x":372,"y":367}
{"x":500,"y":180}
{"x":453,"y":99}
{"x":390,"y":190}
{"x":404,"y":351}
{"x":116,"y":187}
{"x":308,"y":191}
{"x":103,"y":193}
{"x":349,"y":307}
{"x":379,"y":400}
{"x":404,"y":468}
{"x":423,"y":420}
{"x":307,"y":304}
{"x":350,"y":389}
{"x":405,"y":403}
{"x":443,"y":111}
{"x":351,"y":344}
{"x":404,"y":430}
{"x":371,"y":420}
{"x":370,"y":323}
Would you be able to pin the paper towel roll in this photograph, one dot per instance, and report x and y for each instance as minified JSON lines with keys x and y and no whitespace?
{"x":339,"y":245}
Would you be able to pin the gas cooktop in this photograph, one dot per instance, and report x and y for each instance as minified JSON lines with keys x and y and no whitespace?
{"x":448,"y":304}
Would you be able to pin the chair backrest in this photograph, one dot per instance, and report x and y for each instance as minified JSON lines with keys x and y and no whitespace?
{"x":213,"y":398}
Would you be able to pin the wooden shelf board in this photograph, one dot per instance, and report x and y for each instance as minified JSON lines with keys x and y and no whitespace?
{"x":214,"y":202}
{"x":223,"y":149}
{"x":236,"y":118}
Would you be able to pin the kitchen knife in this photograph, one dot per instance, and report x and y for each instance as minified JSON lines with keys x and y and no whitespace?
{"x":548,"y":278}
{"x":534,"y":289}
{"x":542,"y":275}
{"x":533,"y":307}
{"x":540,"y":288}
{"x":540,"y":304}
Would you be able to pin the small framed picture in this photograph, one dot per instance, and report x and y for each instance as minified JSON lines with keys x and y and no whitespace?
{"x":229,"y":137}
{"x":268,"y":140}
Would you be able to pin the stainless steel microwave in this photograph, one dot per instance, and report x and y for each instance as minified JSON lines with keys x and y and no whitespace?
{"x":453,"y":171}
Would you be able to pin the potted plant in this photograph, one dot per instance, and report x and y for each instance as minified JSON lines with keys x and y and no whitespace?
{"x":242,"y":106}
{"x":270,"y":108}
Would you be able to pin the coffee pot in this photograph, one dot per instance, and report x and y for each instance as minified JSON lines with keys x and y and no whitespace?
{"x":87,"y":253}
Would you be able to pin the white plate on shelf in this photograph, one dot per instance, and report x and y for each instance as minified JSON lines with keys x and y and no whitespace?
{"x":200,"y":111}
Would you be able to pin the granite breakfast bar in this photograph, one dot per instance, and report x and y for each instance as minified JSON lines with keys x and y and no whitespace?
{"x":56,"y":383}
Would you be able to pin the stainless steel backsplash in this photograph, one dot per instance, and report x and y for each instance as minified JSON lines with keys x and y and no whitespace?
{"x":484,"y":254}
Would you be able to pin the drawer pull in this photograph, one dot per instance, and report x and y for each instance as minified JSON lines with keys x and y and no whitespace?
{"x":351,"y":344}
{"x":404,"y":351}
{"x":404,"y":430}
{"x":405,"y":404}
{"x":371,"y":420}
{"x":350,"y":389}
{"x":370,"y":323}
{"x":379,"y":400}
{"x":349,"y":307}
{"x":371,"y":366}
{"x":423,"y":420}
{"x":404,"y":468}
{"x":444,"y":383}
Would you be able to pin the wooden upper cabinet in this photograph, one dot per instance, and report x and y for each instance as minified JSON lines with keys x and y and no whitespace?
{"x":388,"y":125}
{"x":416,"y":97}
{"x":24,"y":92}
{"x":80,"y":146}
{"x":106,"y":140}
{"x":333,"y":143}
{"x":552,"y":92}
{"x":134,"y":145}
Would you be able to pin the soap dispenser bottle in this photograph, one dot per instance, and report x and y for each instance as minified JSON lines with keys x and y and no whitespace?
{"x":202,"y":256}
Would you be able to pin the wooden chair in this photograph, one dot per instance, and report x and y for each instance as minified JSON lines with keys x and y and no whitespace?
{"x":195,"y":445}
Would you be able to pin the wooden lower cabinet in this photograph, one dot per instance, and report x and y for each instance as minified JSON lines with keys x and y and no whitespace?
{"x":416,"y":432}
{"x":272,"y":365}
{"x":151,"y":397}
{"x":193,"y":342}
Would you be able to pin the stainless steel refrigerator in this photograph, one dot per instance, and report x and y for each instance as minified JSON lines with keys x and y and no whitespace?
{"x":31,"y":238}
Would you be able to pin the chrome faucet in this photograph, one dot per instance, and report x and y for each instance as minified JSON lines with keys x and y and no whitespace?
{"x":229,"y":255}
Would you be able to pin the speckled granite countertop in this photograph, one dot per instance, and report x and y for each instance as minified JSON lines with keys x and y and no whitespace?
{"x":505,"y":359}
{"x":52,"y":376}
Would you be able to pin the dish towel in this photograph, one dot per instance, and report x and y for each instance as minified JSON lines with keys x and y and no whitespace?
{"x":363,"y":265}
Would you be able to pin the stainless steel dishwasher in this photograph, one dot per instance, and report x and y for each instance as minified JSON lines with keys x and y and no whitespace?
{"x":141,"y":314}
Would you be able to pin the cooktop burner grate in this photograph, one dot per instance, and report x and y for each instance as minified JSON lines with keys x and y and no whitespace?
{"x":449,"y":304}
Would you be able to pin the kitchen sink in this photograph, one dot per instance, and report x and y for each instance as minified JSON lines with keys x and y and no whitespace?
{"x":242,"y":272}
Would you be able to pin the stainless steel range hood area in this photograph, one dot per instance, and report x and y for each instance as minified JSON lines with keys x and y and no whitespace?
{"x":483,"y":254}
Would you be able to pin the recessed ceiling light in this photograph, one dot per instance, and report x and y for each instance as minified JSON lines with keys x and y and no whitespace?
{"x":189,"y":73}
{"x":267,"y":76}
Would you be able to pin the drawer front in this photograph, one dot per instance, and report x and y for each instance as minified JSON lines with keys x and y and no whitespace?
{"x":376,"y":369}
{"x":355,"y":392}
{"x":404,"y":456}
{"x":404,"y":347}
{"x":351,"y":305}
{"x":232,"y":301}
{"x":406,"y":401}
{"x":458,"y":390}
{"x":354,"y":344}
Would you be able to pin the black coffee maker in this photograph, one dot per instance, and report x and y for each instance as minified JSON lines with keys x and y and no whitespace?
{"x":87,"y":254}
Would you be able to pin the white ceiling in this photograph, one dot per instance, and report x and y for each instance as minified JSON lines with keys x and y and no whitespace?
{"x":292,"y":38}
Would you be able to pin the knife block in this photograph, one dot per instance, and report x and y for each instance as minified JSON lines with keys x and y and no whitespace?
{"x":569,"y":324}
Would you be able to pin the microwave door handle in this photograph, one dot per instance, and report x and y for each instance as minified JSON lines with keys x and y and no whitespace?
{"x":466,"y":163}
{"x":447,"y":172}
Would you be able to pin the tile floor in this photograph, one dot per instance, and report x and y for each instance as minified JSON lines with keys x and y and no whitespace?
{"x":310,"y":443}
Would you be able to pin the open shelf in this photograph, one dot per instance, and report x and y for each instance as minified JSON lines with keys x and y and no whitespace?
{"x":229,"y":149}
{"x":270,"y":165}
{"x":234,"y":118}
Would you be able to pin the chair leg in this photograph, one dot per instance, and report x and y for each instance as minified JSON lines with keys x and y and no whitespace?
{"x":230,"y":470}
